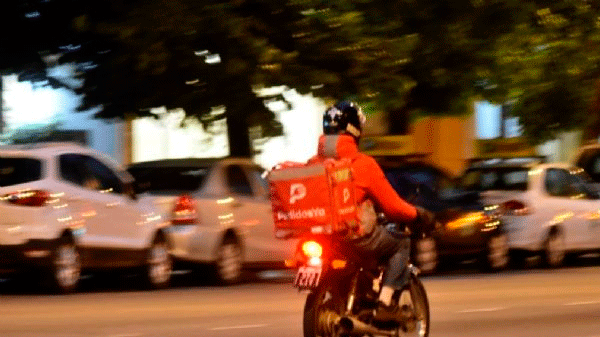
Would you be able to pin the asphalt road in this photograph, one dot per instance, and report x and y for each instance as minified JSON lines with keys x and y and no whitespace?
{"x":564,"y":302}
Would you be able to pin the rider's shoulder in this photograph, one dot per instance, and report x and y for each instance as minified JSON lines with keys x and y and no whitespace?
{"x":365,"y":157}
{"x":365,"y":160}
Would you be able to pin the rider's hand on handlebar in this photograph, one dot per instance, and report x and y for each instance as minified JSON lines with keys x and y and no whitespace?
{"x":425,"y":221}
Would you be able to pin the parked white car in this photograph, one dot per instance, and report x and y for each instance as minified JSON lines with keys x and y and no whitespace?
{"x":548,"y":209}
{"x":66,"y":208}
{"x":220,"y":211}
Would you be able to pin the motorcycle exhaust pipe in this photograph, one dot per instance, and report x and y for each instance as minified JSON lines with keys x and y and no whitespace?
{"x":353,"y":326}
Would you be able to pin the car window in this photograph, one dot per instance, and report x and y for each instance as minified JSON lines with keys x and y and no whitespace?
{"x":15,"y":171}
{"x":589,"y":160}
{"x":170,"y":180}
{"x":558,"y":183}
{"x":594,"y":168}
{"x":401,"y":182}
{"x":511,"y":179}
{"x":89,"y":173}
{"x":429,"y":182}
{"x":71,"y":168}
{"x":582,"y":185}
{"x":100,"y":177}
{"x":489,"y":180}
{"x":237,"y":181}
{"x":516,"y":179}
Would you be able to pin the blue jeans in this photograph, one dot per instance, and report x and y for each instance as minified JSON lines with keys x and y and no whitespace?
{"x":382,"y":245}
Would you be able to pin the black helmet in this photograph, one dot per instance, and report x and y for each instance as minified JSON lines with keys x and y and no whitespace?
{"x":344,"y":116}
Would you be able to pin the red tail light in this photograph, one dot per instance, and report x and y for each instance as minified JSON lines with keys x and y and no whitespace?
{"x":515,"y":207}
{"x":184,"y":211}
{"x":312,"y":249}
{"x":33,"y":198}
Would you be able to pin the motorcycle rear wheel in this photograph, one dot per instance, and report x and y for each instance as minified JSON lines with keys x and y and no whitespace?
{"x":322,"y":310}
{"x":419,"y":326}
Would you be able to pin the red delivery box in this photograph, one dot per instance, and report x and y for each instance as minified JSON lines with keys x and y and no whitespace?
{"x":316,"y":197}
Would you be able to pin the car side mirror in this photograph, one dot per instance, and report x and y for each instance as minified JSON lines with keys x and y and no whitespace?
{"x":130,"y":190}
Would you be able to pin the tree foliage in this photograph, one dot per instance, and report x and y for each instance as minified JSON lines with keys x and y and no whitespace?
{"x":32,"y":30}
{"x":402,"y":56}
{"x":549,"y":64}
{"x":138,"y":55}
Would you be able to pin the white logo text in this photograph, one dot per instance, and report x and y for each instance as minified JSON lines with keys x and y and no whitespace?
{"x":297,"y":192}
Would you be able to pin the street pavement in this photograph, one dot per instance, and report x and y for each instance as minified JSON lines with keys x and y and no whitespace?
{"x":563,"y":302}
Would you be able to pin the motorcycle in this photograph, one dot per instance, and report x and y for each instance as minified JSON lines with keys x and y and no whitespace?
{"x":343,"y":291}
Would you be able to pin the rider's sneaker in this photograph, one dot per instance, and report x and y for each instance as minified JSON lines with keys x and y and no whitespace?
{"x":405,"y":298}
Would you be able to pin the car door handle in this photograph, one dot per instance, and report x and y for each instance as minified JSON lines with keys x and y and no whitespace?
{"x":112,"y":204}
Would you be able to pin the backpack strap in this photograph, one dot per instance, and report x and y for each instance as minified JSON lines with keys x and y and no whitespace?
{"x":330,"y":146}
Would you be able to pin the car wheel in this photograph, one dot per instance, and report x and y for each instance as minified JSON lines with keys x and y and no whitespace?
{"x":496,"y":253}
{"x":158,"y":265}
{"x":426,"y":255}
{"x":66,"y":266}
{"x":554,"y":250}
{"x":229,"y":262}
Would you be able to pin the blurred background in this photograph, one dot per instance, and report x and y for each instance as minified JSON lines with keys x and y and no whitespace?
{"x":445,"y":83}
{"x":457,"y":79}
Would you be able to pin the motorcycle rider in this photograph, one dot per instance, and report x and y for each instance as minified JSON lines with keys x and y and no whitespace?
{"x":342,"y":127}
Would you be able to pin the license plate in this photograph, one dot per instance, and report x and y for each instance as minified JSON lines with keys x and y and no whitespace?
{"x":308,"y":277}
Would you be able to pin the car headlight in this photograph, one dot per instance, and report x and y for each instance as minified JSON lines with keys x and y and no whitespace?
{"x":468,"y":219}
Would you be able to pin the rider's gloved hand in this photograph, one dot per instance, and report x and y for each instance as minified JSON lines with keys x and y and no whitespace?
{"x":425,"y":221}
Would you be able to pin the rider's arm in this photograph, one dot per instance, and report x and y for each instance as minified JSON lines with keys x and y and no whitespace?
{"x":379,"y":189}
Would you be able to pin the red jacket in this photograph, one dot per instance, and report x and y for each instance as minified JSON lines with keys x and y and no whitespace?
{"x":370,"y":180}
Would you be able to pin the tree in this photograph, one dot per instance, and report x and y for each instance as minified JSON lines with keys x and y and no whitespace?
{"x":11,"y":52}
{"x":42,"y":27}
{"x":139,"y":55}
{"x":592,"y":132}
{"x":405,"y":57}
{"x":548,"y":63}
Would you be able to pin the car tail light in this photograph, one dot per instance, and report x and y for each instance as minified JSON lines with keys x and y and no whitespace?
{"x":515,"y":207}
{"x":184,"y":211}
{"x":33,"y":198}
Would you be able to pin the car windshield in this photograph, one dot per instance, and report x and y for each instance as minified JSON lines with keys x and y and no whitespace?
{"x":584,"y":183}
{"x":14,"y":171}
{"x":505,"y":178}
{"x":169,"y":180}
{"x":404,"y":181}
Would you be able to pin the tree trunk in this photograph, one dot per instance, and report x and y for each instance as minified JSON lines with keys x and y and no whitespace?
{"x":238,"y":136}
{"x":399,"y":121}
{"x":504,"y":112}
{"x":592,"y":130}
{"x":1,"y":105}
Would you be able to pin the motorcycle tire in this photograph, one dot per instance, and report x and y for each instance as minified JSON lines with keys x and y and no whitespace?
{"x":322,"y":310}
{"x":420,"y":304}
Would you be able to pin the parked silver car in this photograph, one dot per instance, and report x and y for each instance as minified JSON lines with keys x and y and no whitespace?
{"x":220,"y":212}
{"x":550,"y":210}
